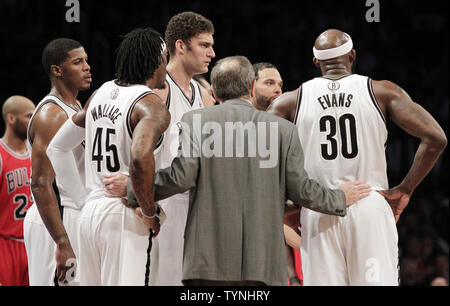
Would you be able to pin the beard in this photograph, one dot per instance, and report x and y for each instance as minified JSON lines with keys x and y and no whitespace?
{"x":262,"y":101}
{"x":20,"y":130}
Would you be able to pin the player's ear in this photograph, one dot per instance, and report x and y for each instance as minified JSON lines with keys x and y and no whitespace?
{"x":180,"y":46}
{"x":10,"y":119}
{"x":316,"y":62}
{"x":252,"y":92}
{"x":56,"y":70}
{"x":352,"y":56}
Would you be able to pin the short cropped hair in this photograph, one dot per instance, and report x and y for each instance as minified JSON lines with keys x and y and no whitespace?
{"x":185,"y":26}
{"x":261,"y":66}
{"x":138,"y":56}
{"x":232,"y":77}
{"x":57,"y":51}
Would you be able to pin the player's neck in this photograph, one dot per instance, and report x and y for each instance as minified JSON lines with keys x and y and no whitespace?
{"x":14,"y":143}
{"x":336,"y":72}
{"x":68,"y":95}
{"x":181,"y":76}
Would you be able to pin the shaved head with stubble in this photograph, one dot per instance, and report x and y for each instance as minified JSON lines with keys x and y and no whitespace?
{"x":16,"y":112}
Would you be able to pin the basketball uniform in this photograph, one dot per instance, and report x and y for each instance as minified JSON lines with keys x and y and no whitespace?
{"x":343,"y":134}
{"x":39,"y":244}
{"x":15,"y":199}
{"x":298,"y":265}
{"x":167,"y":251}
{"x":114,"y":240}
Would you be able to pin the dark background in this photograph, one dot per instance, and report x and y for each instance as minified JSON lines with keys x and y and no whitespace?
{"x":409,"y":47}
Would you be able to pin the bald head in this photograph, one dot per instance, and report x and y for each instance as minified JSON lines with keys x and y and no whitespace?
{"x":232,"y":77}
{"x":16,"y":104}
{"x":330,"y":39}
{"x":17,"y":111}
{"x":334,"y":53}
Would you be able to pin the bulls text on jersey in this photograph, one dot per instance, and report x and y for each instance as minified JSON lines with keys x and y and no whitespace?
{"x":17,"y":178}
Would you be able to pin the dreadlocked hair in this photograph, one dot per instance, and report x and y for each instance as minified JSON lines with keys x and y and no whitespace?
{"x":138,"y":56}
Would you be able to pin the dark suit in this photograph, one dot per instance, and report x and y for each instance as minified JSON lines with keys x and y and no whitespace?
{"x":234,"y":229}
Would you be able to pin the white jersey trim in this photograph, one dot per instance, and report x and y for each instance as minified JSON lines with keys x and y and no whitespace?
{"x":46,"y":101}
{"x":374,"y":100}
{"x":191,"y":101}
{"x":68,"y":105}
{"x":130,"y":110}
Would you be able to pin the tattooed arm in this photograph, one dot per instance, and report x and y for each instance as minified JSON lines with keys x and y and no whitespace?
{"x":149,"y":119}
{"x":416,"y":121}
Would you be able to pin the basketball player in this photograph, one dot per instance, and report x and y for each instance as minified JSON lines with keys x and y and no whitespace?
{"x":65,"y":61}
{"x":268,"y":87}
{"x":122,"y":114}
{"x":15,"y":192}
{"x":341,"y":118}
{"x":189,"y":39}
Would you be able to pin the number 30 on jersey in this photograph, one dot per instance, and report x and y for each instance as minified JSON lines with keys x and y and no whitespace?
{"x":349,"y":143}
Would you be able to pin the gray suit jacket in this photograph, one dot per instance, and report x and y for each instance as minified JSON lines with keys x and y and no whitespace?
{"x":234,"y":229}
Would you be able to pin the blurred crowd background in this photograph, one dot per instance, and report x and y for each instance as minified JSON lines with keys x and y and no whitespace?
{"x":409,"y":46}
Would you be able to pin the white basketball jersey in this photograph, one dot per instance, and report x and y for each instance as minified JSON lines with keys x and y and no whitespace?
{"x":178,"y":104}
{"x":108,"y":133}
{"x":78,"y":152}
{"x":342,"y":131}
{"x":167,"y":253}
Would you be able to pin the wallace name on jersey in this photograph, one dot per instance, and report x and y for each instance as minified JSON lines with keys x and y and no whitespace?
{"x":106,"y":111}
{"x":335,"y":100}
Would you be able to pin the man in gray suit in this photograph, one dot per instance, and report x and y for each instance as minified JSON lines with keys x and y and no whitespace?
{"x":240,"y":165}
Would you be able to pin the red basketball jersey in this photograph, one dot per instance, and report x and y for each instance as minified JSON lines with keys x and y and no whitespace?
{"x":15,"y":191}
{"x":298,"y":265}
